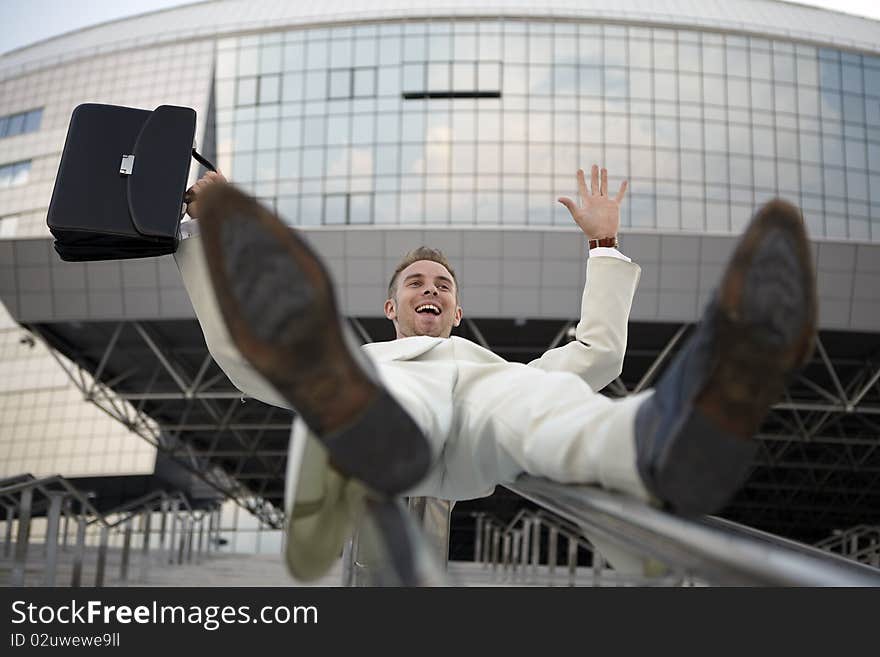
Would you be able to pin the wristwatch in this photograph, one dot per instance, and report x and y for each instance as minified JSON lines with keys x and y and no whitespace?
{"x":605,"y":241}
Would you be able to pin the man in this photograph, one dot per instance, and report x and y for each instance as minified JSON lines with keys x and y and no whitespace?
{"x":430,"y":414}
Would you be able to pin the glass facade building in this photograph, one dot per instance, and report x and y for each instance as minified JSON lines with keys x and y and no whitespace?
{"x":483,"y":122}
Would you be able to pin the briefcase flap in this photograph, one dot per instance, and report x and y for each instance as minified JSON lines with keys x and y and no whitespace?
{"x":160,"y":170}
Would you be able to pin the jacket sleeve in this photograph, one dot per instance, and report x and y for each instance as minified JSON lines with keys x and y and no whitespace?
{"x":193,"y":268}
{"x":596,"y":354}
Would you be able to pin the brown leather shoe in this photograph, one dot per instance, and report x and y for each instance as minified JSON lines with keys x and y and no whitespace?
{"x":692,"y":435}
{"x":278,"y":303}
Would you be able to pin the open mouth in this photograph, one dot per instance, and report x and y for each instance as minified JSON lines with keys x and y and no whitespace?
{"x":428,"y":308}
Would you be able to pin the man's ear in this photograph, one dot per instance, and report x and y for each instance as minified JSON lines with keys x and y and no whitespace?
{"x":457,"y":316}
{"x":390,"y":310}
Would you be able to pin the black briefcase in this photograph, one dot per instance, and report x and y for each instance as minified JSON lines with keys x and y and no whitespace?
{"x":121,"y":182}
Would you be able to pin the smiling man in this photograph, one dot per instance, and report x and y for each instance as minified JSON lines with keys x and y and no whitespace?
{"x":431,"y":414}
{"x":423,"y":295}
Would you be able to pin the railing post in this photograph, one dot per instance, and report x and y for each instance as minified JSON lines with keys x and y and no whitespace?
{"x":598,"y":566}
{"x":66,"y":511}
{"x":478,"y":537}
{"x":551,"y":551}
{"x":172,"y":548}
{"x":190,"y":535}
{"x":163,"y":522}
{"x":53,"y":517}
{"x":146,"y":521}
{"x":21,"y":546}
{"x":79,"y":550}
{"x":516,"y":539}
{"x":126,"y":550}
{"x":536,"y":547}
{"x":496,"y":542}
{"x":572,"y":561}
{"x":182,"y":542}
{"x":200,"y":553}
{"x":487,"y":544}
{"x":526,"y":545}
{"x":102,"y":556}
{"x":7,"y":541}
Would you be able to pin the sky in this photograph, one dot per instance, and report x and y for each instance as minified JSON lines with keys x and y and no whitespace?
{"x":27,"y":21}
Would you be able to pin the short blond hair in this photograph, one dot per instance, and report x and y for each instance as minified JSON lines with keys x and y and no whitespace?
{"x":421,"y":253}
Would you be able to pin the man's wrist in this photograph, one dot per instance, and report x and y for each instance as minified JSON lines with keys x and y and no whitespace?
{"x":605,"y":242}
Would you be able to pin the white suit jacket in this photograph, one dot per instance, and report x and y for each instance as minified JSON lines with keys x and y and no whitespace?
{"x":596,"y":355}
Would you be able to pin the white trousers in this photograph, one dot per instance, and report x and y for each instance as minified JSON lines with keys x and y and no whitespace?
{"x":488,"y":422}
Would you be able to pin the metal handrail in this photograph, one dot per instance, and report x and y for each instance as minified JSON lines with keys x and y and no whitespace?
{"x":717,"y":551}
{"x":45,"y":482}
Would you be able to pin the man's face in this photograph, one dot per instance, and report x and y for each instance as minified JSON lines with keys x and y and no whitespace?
{"x":425,"y":301}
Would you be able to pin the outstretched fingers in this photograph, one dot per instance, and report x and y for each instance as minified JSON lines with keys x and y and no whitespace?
{"x":594,"y":180}
{"x":621,"y":192}
{"x":570,"y":205}
{"x":582,"y":187}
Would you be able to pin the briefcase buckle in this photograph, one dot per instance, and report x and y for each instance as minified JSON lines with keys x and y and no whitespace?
{"x":127,"y":165}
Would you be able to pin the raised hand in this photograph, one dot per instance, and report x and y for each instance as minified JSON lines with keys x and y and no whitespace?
{"x":192,"y":194}
{"x":596,"y":213}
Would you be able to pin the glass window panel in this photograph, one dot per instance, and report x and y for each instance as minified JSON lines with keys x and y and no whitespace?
{"x":335,"y":206}
{"x":294,"y":56}
{"x":414,"y":77}
{"x":365,"y":52}
{"x":664,"y":55}
{"x":439,"y":47}
{"x":807,"y":72}
{"x":785,"y":98}
{"x":811,"y":178}
{"x":762,"y":142}
{"x":835,"y":184}
{"x":413,"y":127}
{"x":640,"y":54}
{"x":786,"y":144}
{"x":364,"y":82}
{"x":316,"y":54}
{"x":740,"y":139}
{"x":245,"y":136}
{"x":515,"y":48}
{"x":360,"y":208}
{"x":616,"y":130}
{"x":463,"y":126}
{"x":488,"y":158}
{"x":856,"y":154}
{"x":829,"y":74}
{"x":808,"y":101}
{"x":760,"y":64}
{"x":387,"y":128}
{"x":565,"y":50}
{"x":4,"y":126}
{"x":388,"y":81}
{"x":540,"y":80}
{"x":242,"y":167}
{"x":288,"y":163}
{"x":438,"y":126}
{"x":856,"y":186}
{"x":715,"y":137}
{"x":691,"y":134}
{"x":292,"y":87}
{"x":787,"y":176}
{"x":291,"y":130}
{"x":832,"y":150}
{"x":340,"y":83}
{"x":270,"y":89}
{"x":314,"y":132}
{"x":514,"y":156}
{"x":248,"y":61}
{"x":616,"y":82}
{"x":463,"y":76}
{"x":615,"y":51}
{"x":489,"y":126}
{"x":310,"y":210}
{"x":565,"y":81}
{"x":385,"y":208}
{"x":738,"y":92}
{"x":714,"y":90}
{"x":267,"y":134}
{"x":340,"y":53}
{"x":313,"y":162}
{"x":810,"y":148}
{"x":490,"y":46}
{"x":740,"y":171}
{"x":362,"y":129}
{"x":689,"y":88}
{"x":270,"y":59}
{"x":665,"y":86}
{"x":852,"y":79}
{"x":853,"y":108}
{"x":412,"y":159}
{"x":783,"y":67}
{"x":872,"y":82}
{"x":387,"y":160}
{"x":338,"y":130}
{"x":737,"y":62}
{"x":20,"y":173}
{"x":224,"y":94}
{"x":540,"y":49}
{"x":762,"y":95}
{"x":514,"y":126}
{"x":692,"y":215}
{"x":640,"y":84}
{"x":591,"y":81}
{"x":465,"y":46}
{"x":689,"y":57}
{"x":247,"y":91}
{"x":32,"y":120}
{"x":713,"y":59}
{"x":267,"y":165}
{"x":316,"y":85}
{"x":831,"y":105}
{"x":389,"y":50}
{"x":415,"y":48}
{"x":665,"y":133}
{"x":489,"y":76}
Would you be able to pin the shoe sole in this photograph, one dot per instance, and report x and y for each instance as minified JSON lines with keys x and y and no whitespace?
{"x":278,"y":304}
{"x":766,"y":320}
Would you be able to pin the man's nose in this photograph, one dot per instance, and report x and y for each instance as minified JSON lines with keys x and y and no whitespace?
{"x":430,"y":289}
